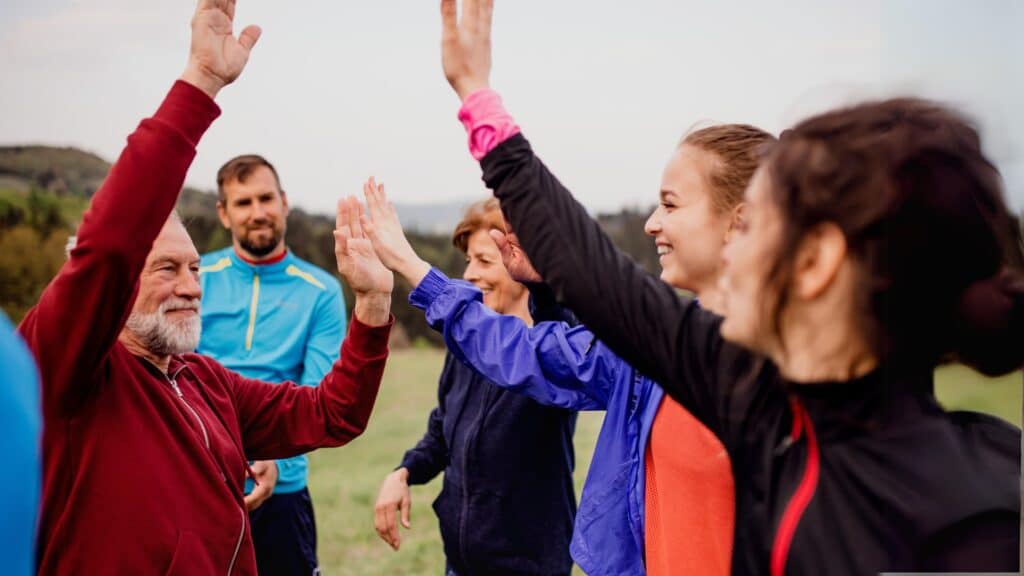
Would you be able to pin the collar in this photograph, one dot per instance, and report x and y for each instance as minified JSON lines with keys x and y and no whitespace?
{"x":881,"y":399}
{"x":277,"y":264}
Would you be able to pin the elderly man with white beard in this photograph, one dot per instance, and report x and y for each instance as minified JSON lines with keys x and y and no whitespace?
{"x":145,"y":444}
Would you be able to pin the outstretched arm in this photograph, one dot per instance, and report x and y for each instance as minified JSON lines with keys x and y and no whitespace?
{"x":286,"y":420}
{"x":550,"y":362}
{"x":96,"y":287}
{"x":545,"y":363}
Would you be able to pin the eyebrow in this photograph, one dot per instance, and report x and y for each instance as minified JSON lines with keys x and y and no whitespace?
{"x":172,"y":260}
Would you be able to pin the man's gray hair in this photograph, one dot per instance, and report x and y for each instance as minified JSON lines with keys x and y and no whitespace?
{"x":73,"y":240}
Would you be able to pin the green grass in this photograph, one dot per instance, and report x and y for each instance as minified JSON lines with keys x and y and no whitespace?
{"x":344,"y":481}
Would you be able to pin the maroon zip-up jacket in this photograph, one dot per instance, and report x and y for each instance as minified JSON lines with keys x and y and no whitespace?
{"x":143,"y":471}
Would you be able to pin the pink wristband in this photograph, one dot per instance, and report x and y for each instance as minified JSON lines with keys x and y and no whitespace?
{"x":486,"y":122}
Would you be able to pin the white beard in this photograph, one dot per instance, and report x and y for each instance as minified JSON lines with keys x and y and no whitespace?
{"x":163,"y":337}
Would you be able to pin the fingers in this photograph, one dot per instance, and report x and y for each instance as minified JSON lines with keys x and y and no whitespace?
{"x":380,"y":522}
{"x":255,"y":498}
{"x":391,"y":519}
{"x":249,"y":36}
{"x":370,"y":195}
{"x":501,"y":239}
{"x":449,"y":19}
{"x":406,"y":507}
{"x":486,"y":16}
{"x":355,"y":209}
{"x":341,"y":214}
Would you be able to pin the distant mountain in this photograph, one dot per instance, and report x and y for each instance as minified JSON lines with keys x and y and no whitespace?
{"x":438,"y":218}
{"x":62,"y":171}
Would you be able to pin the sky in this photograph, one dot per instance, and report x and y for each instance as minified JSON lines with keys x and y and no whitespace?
{"x":338,"y":90}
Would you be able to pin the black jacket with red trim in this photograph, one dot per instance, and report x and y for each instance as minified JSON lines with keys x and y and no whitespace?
{"x":853,"y":477}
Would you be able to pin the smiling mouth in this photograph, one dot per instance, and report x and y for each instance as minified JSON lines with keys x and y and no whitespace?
{"x":664,"y":250}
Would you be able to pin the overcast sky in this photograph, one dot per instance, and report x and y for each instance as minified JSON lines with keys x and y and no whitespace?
{"x":338,"y":90}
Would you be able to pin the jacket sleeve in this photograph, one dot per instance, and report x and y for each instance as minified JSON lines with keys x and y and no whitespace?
{"x":284,"y":420}
{"x":667,"y":337}
{"x":82,"y":311}
{"x":327,"y":329}
{"x":550,"y":363}
{"x":430,"y":455}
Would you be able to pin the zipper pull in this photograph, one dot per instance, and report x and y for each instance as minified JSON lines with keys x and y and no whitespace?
{"x":177,"y":390}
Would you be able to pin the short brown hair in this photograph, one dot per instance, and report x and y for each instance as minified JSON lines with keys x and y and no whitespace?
{"x":483,"y":215}
{"x":239,"y":168}
{"x":738,"y":149}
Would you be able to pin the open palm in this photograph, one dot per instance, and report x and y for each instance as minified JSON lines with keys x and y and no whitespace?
{"x":357,"y":261}
{"x":215,"y":53}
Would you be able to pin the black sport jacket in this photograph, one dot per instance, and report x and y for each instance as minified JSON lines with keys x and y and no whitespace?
{"x":851,"y":477}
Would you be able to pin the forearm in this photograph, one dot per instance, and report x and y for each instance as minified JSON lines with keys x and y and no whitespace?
{"x":96,"y":285}
{"x":413,"y":270}
{"x":284,"y":420}
{"x":547,"y":363}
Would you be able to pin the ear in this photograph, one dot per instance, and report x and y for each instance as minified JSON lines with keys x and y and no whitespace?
{"x":284,"y":202}
{"x":820,"y":256}
{"x":222,"y":213}
{"x":736,"y":218}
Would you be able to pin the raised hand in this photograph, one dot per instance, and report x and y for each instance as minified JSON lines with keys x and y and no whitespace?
{"x":385,"y":231}
{"x":514,"y":257}
{"x":466,"y":45}
{"x":216,"y":57}
{"x":359,"y":264}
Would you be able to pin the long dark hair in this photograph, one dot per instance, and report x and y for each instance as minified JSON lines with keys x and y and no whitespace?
{"x":923,"y":214}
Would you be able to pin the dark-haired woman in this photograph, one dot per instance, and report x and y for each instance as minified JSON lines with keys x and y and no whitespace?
{"x":876,"y":245}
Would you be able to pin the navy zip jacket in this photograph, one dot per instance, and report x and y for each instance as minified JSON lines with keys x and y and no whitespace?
{"x":508,"y":504}
{"x":854,"y":477}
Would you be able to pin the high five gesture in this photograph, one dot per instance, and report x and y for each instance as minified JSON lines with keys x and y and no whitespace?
{"x":216,"y":57}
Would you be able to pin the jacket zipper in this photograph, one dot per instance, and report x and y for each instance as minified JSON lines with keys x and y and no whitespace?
{"x":465,"y":463}
{"x":238,"y":545}
{"x":206,"y":439}
{"x":252,"y":311}
{"x":804,"y":491}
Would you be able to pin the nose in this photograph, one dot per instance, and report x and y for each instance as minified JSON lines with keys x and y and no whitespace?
{"x":472,"y":272}
{"x":259,"y":212}
{"x":187,"y":285}
{"x":653,"y":224}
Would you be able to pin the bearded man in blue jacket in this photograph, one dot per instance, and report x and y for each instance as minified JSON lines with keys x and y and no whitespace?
{"x":268,"y":314}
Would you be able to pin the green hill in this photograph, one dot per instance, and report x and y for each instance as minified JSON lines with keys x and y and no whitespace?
{"x":44,"y":191}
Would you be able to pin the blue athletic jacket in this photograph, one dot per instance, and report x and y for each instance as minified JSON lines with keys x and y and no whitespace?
{"x":275,"y":322}
{"x":22,"y":416}
{"x":565,"y":367}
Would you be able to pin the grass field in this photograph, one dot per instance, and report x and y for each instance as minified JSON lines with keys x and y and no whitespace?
{"x":344,"y":481}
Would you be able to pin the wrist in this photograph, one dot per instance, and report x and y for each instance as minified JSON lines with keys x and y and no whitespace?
{"x":414,"y":271}
{"x":211,"y":85}
{"x":469,"y":86}
{"x":373,"y":308}
{"x":401,"y":474}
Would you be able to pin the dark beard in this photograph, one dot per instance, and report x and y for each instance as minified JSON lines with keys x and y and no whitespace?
{"x":261,"y":250}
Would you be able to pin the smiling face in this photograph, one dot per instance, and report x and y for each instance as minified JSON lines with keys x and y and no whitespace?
{"x":485,"y":270}
{"x":165,"y":317}
{"x":255,"y":211}
{"x":688,"y":230}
